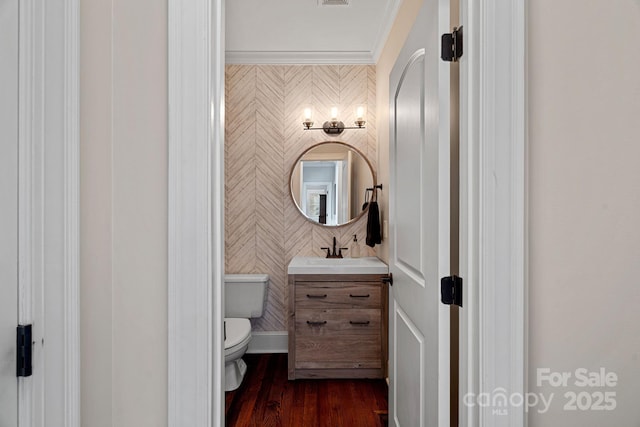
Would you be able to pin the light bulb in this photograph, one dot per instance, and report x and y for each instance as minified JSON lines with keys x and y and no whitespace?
{"x":360,"y":112}
{"x":334,"y":113}
{"x":307,"y":114}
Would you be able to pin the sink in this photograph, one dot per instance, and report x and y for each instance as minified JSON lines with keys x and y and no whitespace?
{"x":315,"y":265}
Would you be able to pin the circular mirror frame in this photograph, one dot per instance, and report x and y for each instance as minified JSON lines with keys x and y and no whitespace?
{"x":295,"y":164}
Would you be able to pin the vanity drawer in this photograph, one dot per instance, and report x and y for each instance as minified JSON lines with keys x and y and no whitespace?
{"x":343,"y":352}
{"x":337,"y":295}
{"x":337,"y":322}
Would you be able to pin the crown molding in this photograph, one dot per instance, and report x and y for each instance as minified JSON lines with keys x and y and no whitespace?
{"x":299,"y":57}
{"x":383,"y":34}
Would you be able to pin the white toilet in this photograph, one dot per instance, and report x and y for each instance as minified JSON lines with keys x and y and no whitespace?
{"x":245,"y":297}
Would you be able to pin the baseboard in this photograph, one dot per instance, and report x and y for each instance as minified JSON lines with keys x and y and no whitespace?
{"x":269,"y":342}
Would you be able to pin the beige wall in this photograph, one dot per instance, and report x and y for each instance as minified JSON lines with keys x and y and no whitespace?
{"x":399,"y":32}
{"x":584,"y":201}
{"x":123,"y":213}
{"x":264,"y":136}
{"x":95,"y":214}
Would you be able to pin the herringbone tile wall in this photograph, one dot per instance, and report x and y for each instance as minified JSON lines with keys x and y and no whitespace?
{"x":264,"y":136}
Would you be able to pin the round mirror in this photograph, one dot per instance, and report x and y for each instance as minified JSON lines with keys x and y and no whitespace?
{"x":331,"y":183}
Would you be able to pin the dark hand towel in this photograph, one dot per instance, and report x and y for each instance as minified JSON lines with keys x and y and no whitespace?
{"x":374,"y":236}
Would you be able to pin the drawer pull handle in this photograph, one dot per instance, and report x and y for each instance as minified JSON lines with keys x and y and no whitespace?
{"x":359,"y":323}
{"x":310,"y":323}
{"x":317,"y":296}
{"x":359,"y":296}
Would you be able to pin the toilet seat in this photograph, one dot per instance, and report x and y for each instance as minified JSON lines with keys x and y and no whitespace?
{"x":237,"y":333}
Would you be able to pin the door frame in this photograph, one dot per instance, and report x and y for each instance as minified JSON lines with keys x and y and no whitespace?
{"x":196,"y":213}
{"x":493,"y":259}
{"x":49,"y":220}
{"x":493,"y":218}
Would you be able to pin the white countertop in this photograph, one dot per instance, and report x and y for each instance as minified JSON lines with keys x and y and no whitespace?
{"x":317,"y":265}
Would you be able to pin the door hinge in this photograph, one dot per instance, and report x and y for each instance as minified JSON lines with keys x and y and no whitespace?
{"x":23,"y":342}
{"x":451,"y":290}
{"x":452,"y":45}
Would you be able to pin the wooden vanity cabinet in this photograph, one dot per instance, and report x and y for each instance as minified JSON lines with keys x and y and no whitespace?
{"x":337,"y":326}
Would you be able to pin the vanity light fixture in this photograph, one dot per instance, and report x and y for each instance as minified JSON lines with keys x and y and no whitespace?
{"x":334,"y":126}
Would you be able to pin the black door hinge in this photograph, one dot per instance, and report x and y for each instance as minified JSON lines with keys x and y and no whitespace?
{"x":23,"y":342}
{"x":452,"y":45}
{"x":451,"y":290}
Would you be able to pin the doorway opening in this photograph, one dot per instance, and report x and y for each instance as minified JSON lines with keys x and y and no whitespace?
{"x":196,"y":263}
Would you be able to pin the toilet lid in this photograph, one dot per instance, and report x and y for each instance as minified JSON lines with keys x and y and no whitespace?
{"x":236,"y":330}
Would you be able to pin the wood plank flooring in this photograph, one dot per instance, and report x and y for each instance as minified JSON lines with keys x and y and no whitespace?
{"x":267,"y":399}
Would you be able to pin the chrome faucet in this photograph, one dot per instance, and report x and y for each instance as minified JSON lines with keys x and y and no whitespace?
{"x":334,"y":254}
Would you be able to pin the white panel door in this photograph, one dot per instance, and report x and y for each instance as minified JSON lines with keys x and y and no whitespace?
{"x":419,"y":225}
{"x":8,"y":210}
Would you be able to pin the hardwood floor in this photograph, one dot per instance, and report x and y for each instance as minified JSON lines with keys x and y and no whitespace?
{"x":267,"y":399}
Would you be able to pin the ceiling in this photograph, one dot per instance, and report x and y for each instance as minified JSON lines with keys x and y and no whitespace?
{"x":304,"y":31}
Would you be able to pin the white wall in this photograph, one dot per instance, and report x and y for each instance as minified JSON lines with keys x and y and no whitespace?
{"x":124,"y":212}
{"x":584,"y":204}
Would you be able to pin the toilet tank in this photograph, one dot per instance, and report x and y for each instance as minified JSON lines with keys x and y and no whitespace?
{"x":245,"y":295}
